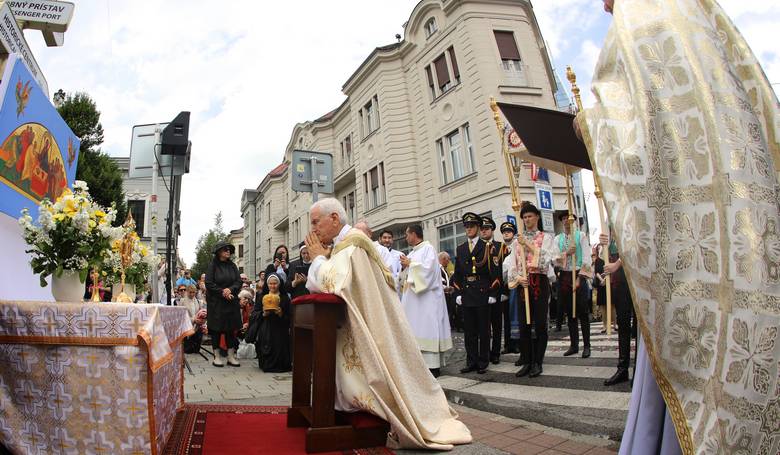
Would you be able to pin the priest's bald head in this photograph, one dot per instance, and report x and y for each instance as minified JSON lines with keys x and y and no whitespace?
{"x":327,"y":218}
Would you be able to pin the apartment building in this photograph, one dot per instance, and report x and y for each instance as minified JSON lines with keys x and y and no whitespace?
{"x":415,"y":141}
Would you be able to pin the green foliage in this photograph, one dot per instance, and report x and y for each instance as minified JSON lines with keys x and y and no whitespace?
{"x":94,"y":167}
{"x":204,"y":250}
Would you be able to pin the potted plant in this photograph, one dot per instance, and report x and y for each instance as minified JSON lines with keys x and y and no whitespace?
{"x":68,"y":240}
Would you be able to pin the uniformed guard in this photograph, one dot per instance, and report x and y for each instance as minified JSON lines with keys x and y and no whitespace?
{"x":497,"y":255}
{"x":472,"y":281}
{"x":508,"y":232}
{"x":538,"y":254}
{"x":572,"y":250}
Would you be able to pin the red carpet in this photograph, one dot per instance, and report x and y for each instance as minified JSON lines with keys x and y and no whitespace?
{"x":212,"y":429}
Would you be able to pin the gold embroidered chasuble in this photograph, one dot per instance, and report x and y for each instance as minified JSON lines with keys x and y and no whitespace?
{"x":379,"y":365}
{"x":684,"y":143}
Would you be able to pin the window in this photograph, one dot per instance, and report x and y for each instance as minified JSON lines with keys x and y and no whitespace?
{"x":137,"y":209}
{"x":369,"y":117}
{"x":346,"y":151}
{"x":430,"y":27}
{"x":510,"y":55}
{"x":374,"y":184}
{"x":456,"y":155}
{"x":349,"y":206}
{"x":450,"y":236}
{"x":442,"y":66}
{"x":240,"y":251}
{"x":268,"y":212}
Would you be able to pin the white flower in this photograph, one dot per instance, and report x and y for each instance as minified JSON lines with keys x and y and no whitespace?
{"x":80,"y":185}
{"x":46,"y":220}
{"x":81,"y":221}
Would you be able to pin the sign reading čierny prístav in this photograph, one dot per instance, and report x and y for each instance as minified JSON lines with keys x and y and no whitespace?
{"x":12,"y":40}
{"x":43,"y":14}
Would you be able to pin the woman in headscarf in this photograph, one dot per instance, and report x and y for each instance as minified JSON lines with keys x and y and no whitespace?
{"x":273,"y":339}
{"x":223,"y":284}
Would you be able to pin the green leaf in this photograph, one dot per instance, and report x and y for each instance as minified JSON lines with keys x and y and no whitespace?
{"x":42,"y":277}
{"x":83,"y":275}
{"x":58,"y":271}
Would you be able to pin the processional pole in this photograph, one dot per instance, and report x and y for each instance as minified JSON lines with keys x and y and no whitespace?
{"x":572,"y":239}
{"x":516,"y":202}
{"x":599,"y":197}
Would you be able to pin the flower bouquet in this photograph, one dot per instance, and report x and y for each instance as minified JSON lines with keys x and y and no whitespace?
{"x":68,"y":239}
{"x":128,"y":261}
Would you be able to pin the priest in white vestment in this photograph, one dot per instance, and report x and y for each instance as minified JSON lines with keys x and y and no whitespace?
{"x":379,"y":368}
{"x":422,"y":297}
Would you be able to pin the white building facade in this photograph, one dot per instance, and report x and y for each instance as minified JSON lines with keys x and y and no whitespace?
{"x":415,"y":140}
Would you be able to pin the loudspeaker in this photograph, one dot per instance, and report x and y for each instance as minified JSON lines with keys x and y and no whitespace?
{"x":175,"y":136}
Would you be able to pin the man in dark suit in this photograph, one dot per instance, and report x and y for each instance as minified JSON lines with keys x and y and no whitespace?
{"x":497,"y":254}
{"x":474,"y":275}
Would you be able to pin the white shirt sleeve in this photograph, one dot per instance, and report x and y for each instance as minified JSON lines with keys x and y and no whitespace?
{"x":312,"y":284}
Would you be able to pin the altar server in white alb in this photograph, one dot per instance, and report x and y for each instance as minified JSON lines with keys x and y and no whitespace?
{"x":423,"y":300}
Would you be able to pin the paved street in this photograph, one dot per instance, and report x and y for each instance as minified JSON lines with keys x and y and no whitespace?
{"x":565,"y":411}
{"x":569,"y":395}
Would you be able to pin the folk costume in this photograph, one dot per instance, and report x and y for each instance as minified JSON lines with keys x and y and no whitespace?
{"x":581,"y":262}
{"x":532,"y":337}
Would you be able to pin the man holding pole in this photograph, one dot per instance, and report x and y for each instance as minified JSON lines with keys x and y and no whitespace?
{"x":572,"y":255}
{"x":538,"y":247}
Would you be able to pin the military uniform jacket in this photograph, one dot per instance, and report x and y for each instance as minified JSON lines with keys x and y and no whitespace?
{"x":476,"y":276}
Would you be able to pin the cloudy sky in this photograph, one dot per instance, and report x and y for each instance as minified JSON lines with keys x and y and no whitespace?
{"x":249,"y":71}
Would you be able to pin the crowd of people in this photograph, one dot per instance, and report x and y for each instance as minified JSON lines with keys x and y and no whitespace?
{"x":481,"y":292}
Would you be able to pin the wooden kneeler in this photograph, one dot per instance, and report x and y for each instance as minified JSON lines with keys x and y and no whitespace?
{"x":316,"y":317}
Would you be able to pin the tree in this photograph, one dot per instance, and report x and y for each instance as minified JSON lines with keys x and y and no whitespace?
{"x":101,"y":173}
{"x":204,"y":250}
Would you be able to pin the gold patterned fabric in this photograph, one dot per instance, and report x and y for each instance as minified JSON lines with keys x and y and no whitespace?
{"x":684,"y":143}
{"x":89,"y":377}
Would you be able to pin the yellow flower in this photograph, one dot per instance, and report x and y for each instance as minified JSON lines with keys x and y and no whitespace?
{"x":58,"y":216}
{"x":70,"y":207}
{"x":92,"y":223}
{"x":100,"y":214}
{"x":144,"y":251}
{"x":116,"y":245}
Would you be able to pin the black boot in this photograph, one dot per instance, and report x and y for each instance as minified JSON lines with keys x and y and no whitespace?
{"x":586,"y":352}
{"x":621,"y":375}
{"x":536,"y":370}
{"x":524,"y":370}
{"x":572,"y":350}
{"x":468,"y":369}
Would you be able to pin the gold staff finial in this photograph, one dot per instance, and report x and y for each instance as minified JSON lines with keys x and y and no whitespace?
{"x":574,"y":89}
{"x":496,"y":115}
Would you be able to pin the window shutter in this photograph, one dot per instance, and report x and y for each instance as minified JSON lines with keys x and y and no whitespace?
{"x":507,"y":46}
{"x":442,"y":75}
{"x":374,"y":179}
{"x":430,"y":76}
{"x":455,"y":71}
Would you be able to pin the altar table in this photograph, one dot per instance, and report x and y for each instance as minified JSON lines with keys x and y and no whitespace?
{"x":103,"y":378}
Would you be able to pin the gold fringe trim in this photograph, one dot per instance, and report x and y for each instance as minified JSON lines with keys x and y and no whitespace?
{"x":358,"y":239}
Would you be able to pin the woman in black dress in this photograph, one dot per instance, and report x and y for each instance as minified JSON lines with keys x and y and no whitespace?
{"x":223,"y":316}
{"x":273,"y":338}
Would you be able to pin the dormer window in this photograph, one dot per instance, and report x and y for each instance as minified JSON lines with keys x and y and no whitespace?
{"x":430,"y":27}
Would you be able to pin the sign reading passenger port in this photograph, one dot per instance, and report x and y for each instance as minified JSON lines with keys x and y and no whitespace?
{"x":312,"y":172}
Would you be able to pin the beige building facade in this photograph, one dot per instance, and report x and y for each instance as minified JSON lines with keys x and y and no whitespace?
{"x":415,"y":140}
